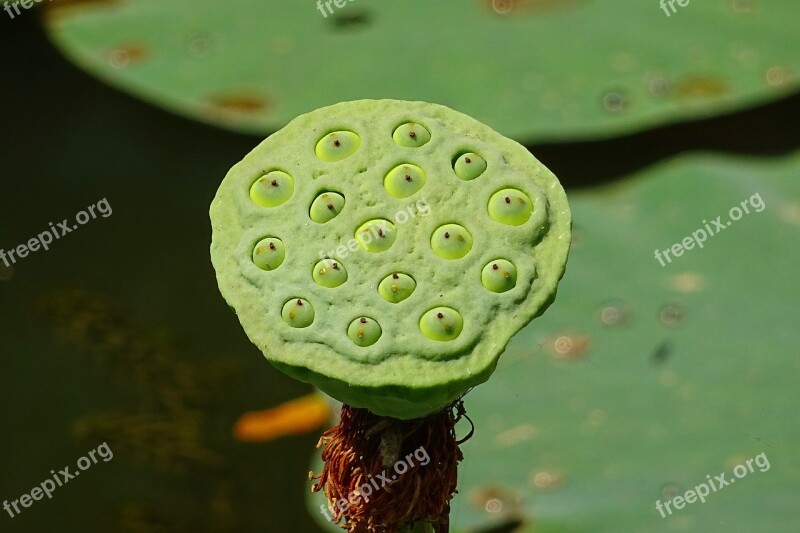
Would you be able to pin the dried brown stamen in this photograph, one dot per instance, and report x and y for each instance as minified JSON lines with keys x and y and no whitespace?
{"x":364,"y":446}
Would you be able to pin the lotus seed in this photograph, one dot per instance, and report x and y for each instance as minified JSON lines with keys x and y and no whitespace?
{"x":376,"y":235}
{"x":411,"y":135}
{"x":337,"y":145}
{"x":272,"y":189}
{"x":326,"y":207}
{"x":397,"y":287}
{"x":269,"y":253}
{"x":404,"y":180}
{"x":441,"y":324}
{"x":510,"y":206}
{"x":469,"y":166}
{"x":329,"y":273}
{"x":364,"y":332}
{"x":298,"y":313}
{"x":499,"y":276}
{"x":451,"y":241}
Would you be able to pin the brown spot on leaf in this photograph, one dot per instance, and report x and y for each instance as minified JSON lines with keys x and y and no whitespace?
{"x":125,"y":55}
{"x":569,"y":345}
{"x":527,"y":7}
{"x":700,"y":86}
{"x":239,"y":103}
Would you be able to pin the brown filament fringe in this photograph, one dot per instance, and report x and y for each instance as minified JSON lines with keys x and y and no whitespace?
{"x":354,"y":456}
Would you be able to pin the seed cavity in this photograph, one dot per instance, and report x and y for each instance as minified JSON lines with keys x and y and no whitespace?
{"x":469,"y":166}
{"x":404,"y":180}
{"x":364,"y":331}
{"x":451,"y":241}
{"x":329,"y":273}
{"x":298,"y":313}
{"x":269,"y":253}
{"x":396,"y":287}
{"x":326,"y":207}
{"x":511,"y":207}
{"x":411,"y":135}
{"x":377,"y":235}
{"x":441,"y":324}
{"x":337,"y":145}
{"x":272,"y":189}
{"x":499,"y":276}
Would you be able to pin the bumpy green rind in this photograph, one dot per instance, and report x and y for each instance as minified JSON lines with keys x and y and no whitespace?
{"x":404,"y":374}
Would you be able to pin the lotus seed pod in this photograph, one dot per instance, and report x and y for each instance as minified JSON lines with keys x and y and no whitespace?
{"x":337,"y":146}
{"x":510,"y":206}
{"x":325,"y":207}
{"x":269,"y":253}
{"x":411,"y":135}
{"x":272,"y":189}
{"x":407,"y":362}
{"x":364,"y":332}
{"x":397,"y":287}
{"x":499,"y":276}
{"x":298,"y":313}
{"x":329,"y":273}
{"x":469,"y":166}
{"x":404,"y":180}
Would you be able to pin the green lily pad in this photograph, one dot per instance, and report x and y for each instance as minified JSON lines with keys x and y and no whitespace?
{"x":644,"y":379}
{"x":533,"y":69}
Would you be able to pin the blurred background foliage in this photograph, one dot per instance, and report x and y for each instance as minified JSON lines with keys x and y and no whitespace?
{"x":638,"y":382}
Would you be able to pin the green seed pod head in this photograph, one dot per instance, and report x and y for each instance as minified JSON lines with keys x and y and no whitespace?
{"x":403,"y":346}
